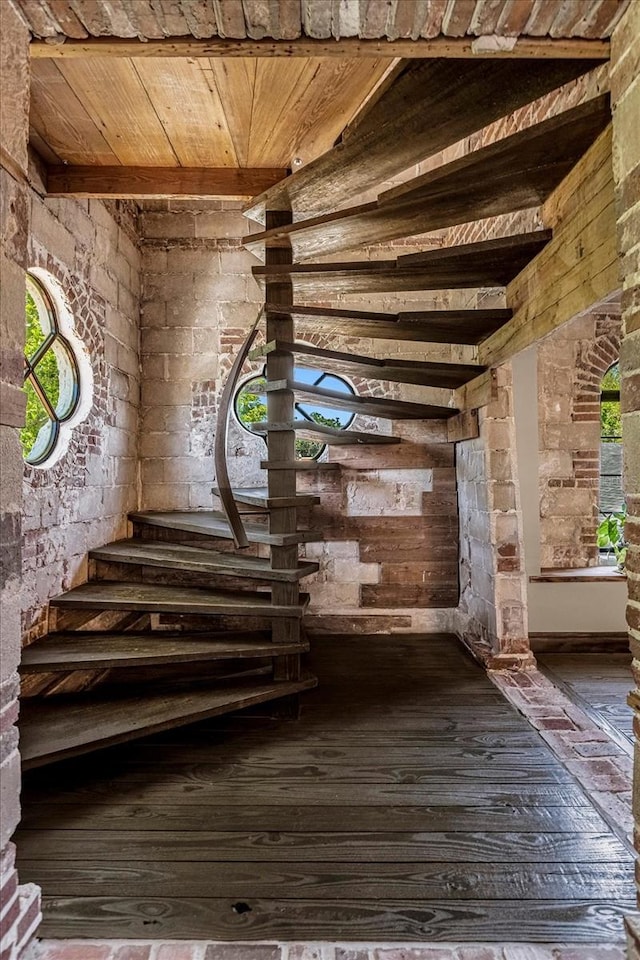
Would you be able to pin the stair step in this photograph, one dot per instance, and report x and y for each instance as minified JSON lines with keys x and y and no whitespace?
{"x":329,"y":435}
{"x":431,"y":105}
{"x":65,"y":727}
{"x":303,"y":463}
{"x":176,"y":556}
{"x":259,"y":497}
{"x":515,"y":173}
{"x":89,"y":651}
{"x":423,"y":372}
{"x":160,"y":598}
{"x":488,"y":263}
{"x":427,"y":326}
{"x":212,"y":523}
{"x":370,"y":406}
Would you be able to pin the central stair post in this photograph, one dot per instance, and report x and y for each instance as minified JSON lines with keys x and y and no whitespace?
{"x":281,"y":447}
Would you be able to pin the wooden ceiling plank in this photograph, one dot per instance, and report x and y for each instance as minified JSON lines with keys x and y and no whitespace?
{"x":234,"y":79}
{"x":129,"y":123}
{"x":411,"y":121}
{"x":278,"y":86}
{"x":515,"y":173}
{"x":43,"y":149}
{"x":230,"y":18}
{"x":161,"y":182}
{"x":61,"y":120}
{"x":540,"y":47}
{"x":190,"y":112}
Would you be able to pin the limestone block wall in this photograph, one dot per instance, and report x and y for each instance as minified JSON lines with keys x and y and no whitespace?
{"x":19,"y":904}
{"x":492,"y":615}
{"x":389,"y":516}
{"x":89,"y":249}
{"x":571,"y":363}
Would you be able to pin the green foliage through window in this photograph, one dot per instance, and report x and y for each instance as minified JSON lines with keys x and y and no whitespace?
{"x":610,"y":418}
{"x":51,"y":380}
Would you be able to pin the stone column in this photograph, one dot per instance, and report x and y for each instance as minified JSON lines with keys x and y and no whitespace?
{"x":19,"y":905}
{"x":625,"y":94}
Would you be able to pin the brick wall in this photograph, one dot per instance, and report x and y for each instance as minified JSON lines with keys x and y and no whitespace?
{"x":91,"y":250}
{"x":199,"y":301}
{"x":492,"y":616}
{"x":571,"y":364}
{"x":625,"y":89}
{"x":19,"y":904}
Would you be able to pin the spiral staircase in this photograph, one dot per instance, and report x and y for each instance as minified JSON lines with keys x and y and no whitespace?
{"x":201,"y":613}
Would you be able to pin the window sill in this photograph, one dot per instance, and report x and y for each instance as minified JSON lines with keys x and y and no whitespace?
{"x":578,"y":575}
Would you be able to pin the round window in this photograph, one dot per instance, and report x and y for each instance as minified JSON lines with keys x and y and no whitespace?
{"x":251,"y":406}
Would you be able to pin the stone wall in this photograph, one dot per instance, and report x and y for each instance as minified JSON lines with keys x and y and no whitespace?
{"x":625,"y":88}
{"x":492,"y":616}
{"x":19,"y":904}
{"x":199,"y":302}
{"x":571,"y":364}
{"x":89,"y":251}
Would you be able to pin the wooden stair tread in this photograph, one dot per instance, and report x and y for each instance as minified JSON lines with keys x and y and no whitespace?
{"x":197,"y":560}
{"x":412,"y":120}
{"x":515,"y":173}
{"x":214,"y":524}
{"x":303,"y":463}
{"x":161,"y":598}
{"x":428,"y":326}
{"x":329,"y":435}
{"x":424,"y":372}
{"x":82,"y":651}
{"x":259,"y":497}
{"x":488,"y":263}
{"x":63,"y":727}
{"x":371,"y":406}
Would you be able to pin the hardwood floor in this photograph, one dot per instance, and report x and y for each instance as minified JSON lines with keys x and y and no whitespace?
{"x":410,"y":803}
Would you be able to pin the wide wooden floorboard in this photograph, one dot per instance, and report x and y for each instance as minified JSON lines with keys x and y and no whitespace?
{"x":410,"y":803}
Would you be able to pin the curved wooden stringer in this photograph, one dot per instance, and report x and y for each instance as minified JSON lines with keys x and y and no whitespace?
{"x":225,"y":492}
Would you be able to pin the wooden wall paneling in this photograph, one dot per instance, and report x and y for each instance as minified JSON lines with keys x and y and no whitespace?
{"x":578,"y":268}
{"x":62,"y":121}
{"x":128,"y":120}
{"x":190,"y":112}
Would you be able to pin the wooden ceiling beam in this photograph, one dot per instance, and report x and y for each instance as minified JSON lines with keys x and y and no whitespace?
{"x":462,"y":47}
{"x":139,"y":183}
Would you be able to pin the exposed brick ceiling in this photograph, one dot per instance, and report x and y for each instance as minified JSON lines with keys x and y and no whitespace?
{"x":320,"y":19}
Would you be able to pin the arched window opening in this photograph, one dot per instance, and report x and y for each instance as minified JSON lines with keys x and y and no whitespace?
{"x":250,"y":406}
{"x":51,"y":376}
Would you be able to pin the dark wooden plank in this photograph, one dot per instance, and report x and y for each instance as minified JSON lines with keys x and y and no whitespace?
{"x":133,"y":182}
{"x":511,"y":174}
{"x":163,"y":598}
{"x":119,"y":815}
{"x":259,"y":497}
{"x":98,"y":650}
{"x":319,"y":881}
{"x":331,"y":436}
{"x":411,"y":121}
{"x":214,"y":524}
{"x":338,"y":847}
{"x":369,"y":406}
{"x":424,"y":372}
{"x":174,"y":556}
{"x":490,"y":263}
{"x":545,"y":921}
{"x":437,"y":326}
{"x":65,"y":728}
